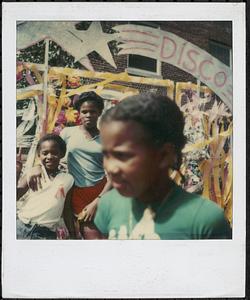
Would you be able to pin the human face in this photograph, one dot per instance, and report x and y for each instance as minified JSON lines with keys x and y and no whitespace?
{"x":133,"y":164}
{"x":89,"y":115}
{"x":50,"y":155}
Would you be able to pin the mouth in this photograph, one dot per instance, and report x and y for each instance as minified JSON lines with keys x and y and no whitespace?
{"x":118,"y":184}
{"x":49,"y":164}
{"x":89,"y":123}
{"x":123,"y":188}
{"x":88,"y":120}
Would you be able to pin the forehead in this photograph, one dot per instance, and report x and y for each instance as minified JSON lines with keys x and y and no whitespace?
{"x":123,"y":132}
{"x":49,"y":144}
{"x":88,"y":104}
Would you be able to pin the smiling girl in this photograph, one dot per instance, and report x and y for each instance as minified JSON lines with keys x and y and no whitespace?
{"x":38,"y":217}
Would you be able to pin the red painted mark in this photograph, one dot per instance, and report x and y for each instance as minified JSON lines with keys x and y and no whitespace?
{"x":192,"y":59}
{"x":142,"y":32}
{"x":216,"y":79}
{"x":180,"y":57}
{"x":201,"y":68}
{"x":60,"y":192}
{"x":139,"y":48}
{"x":164,"y":41}
{"x":141,"y":42}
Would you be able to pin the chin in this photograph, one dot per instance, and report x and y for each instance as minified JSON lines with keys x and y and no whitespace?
{"x":124,"y":189}
{"x":89,"y":125}
{"x":50,"y":168}
{"x":125,"y":193}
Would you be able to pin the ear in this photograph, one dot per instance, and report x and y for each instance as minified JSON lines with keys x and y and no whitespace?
{"x":168,"y":156}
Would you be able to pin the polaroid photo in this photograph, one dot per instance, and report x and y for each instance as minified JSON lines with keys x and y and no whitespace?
{"x":127,"y":122}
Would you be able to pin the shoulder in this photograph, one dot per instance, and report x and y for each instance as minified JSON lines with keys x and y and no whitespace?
{"x":107,"y":210}
{"x":206,"y":218}
{"x":110,"y":197}
{"x":210,"y":211}
{"x":202,"y":206}
{"x":210,"y":220}
{"x":187,"y":199}
{"x":113,"y":201}
{"x":68,"y":131}
{"x":65,"y":178}
{"x":193,"y":199}
{"x":206,"y":206}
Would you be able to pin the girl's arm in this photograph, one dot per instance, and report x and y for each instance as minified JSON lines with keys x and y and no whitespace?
{"x":34,"y":178}
{"x":30,"y":180}
{"x":106,"y":188}
{"x":22,"y":187}
{"x":68,"y":216}
{"x":89,"y":210}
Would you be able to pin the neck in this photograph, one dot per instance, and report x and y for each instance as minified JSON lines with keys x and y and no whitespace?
{"x":52,"y":173}
{"x":90,"y":132}
{"x":158,"y":192}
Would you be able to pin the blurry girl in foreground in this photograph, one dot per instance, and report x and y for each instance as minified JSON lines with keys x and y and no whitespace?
{"x":142,"y":140}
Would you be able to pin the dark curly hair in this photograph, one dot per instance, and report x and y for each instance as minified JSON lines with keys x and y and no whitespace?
{"x":160,"y":116}
{"x":90,"y":97}
{"x":53,"y":137}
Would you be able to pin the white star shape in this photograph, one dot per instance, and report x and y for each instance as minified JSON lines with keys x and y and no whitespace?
{"x":79,"y":43}
{"x":94,"y":39}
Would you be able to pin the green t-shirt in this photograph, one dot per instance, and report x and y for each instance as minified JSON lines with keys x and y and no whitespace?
{"x":181,"y":216}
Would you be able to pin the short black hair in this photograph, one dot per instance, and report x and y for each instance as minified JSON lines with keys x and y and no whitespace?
{"x":90,"y":97}
{"x":160,"y":116}
{"x":53,"y":137}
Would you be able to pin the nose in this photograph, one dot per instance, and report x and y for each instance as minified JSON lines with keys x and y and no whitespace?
{"x":111,"y":167}
{"x":88,"y":114}
{"x":49,"y":155}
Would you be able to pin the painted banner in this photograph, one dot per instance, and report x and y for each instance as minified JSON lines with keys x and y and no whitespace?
{"x":170,"y":48}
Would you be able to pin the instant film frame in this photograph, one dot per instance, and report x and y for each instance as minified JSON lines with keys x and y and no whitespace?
{"x":123,"y":269}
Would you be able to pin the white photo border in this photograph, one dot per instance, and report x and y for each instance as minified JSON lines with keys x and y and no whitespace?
{"x":123,"y":269}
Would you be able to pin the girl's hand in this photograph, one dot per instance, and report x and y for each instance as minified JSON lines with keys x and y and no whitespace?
{"x":88,"y":212}
{"x":34,"y":178}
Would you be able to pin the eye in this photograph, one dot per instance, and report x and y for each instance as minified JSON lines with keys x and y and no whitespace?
{"x":89,"y":111}
{"x":55,"y":153}
{"x":123,"y":156}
